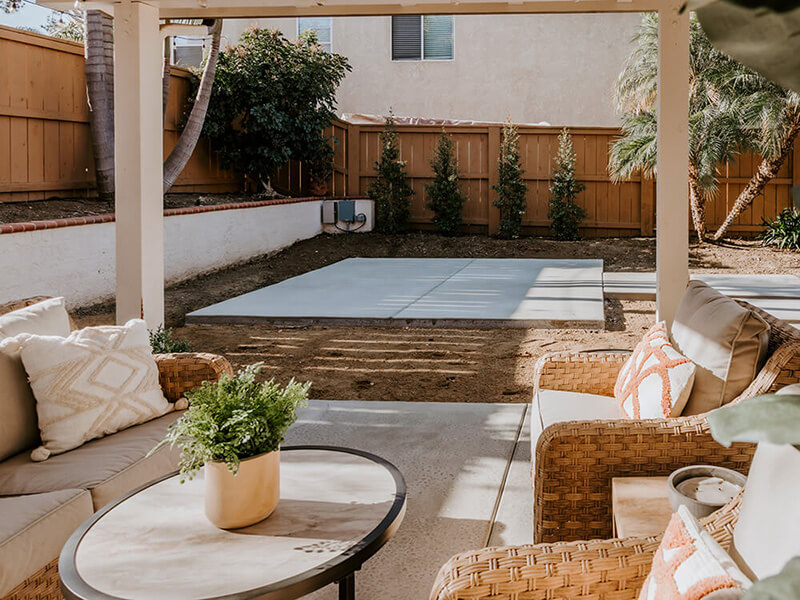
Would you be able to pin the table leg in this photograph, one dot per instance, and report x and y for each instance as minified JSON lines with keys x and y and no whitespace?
{"x":347,"y":587}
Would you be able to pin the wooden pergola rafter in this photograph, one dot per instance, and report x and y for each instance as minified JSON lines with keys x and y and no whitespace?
{"x":138,"y":126}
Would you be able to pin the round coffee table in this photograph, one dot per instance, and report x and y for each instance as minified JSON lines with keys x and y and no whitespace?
{"x":338,"y":507}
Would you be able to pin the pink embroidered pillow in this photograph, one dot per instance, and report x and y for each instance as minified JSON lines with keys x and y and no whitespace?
{"x":656,"y":381}
{"x":690,"y":565}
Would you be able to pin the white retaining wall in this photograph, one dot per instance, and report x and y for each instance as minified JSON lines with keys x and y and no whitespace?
{"x":78,"y":262}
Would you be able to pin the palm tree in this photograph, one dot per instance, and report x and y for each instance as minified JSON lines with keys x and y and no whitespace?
{"x":731,"y":109}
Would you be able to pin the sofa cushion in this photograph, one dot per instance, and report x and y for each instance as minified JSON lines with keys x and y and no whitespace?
{"x":18,"y":429}
{"x":550,"y":406}
{"x":109,"y":467}
{"x":726,"y":341}
{"x":33,"y":530}
{"x":94,"y":382}
{"x":767,"y":533}
{"x":48,"y":317}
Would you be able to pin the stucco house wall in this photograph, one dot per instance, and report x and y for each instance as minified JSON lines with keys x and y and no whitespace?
{"x":559,"y":69}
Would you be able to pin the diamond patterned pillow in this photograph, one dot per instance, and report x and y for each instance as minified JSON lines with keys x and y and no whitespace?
{"x":96,"y":381}
{"x":656,"y":381}
{"x":689,"y":565}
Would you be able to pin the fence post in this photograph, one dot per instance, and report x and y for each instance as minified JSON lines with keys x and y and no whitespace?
{"x":492,"y":156}
{"x":353,"y":160}
{"x":646,"y":197}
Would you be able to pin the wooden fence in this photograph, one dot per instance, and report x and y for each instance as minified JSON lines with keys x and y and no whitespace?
{"x":45,"y":146}
{"x":613,"y":209}
{"x":45,"y":151}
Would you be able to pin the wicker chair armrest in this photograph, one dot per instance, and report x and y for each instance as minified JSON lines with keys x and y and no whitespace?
{"x":592,"y":372}
{"x":575,"y":462}
{"x":180,"y":373}
{"x":613,"y":568}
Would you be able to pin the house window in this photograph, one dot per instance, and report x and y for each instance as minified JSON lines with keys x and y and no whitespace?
{"x":422,"y":37}
{"x":322,"y":26}
{"x":187,"y":51}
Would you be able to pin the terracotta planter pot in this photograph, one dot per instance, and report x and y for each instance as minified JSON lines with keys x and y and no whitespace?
{"x":250,"y":496}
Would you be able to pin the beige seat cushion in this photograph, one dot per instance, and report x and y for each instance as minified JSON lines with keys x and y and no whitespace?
{"x":18,"y":429}
{"x":33,"y":530}
{"x":551,"y":406}
{"x":726,"y":341}
{"x":109,"y":467}
{"x":767,"y":533}
{"x":94,"y":382}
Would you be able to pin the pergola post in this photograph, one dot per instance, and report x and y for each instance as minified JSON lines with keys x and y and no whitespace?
{"x":138,"y":162}
{"x":672,"y":191}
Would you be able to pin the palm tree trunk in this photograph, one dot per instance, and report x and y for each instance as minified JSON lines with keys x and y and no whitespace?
{"x":766,"y":171}
{"x":165,"y":81}
{"x":99,"y":53}
{"x":697,"y":203}
{"x":182,"y":151}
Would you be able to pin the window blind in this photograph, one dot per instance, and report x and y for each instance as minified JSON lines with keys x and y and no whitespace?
{"x":406,"y":37}
{"x":437,"y":37}
{"x":322,"y":27}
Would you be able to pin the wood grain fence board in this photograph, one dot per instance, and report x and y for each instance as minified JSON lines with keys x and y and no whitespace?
{"x":45,"y":143}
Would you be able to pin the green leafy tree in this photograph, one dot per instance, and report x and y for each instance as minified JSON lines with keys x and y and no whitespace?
{"x":271,"y":99}
{"x":391,"y":189}
{"x":731,"y":109}
{"x":444,"y":194}
{"x":565,"y":215}
{"x":511,"y":189}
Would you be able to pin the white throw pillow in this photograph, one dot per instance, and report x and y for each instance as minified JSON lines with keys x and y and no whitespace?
{"x":689,"y":563}
{"x":656,"y":381}
{"x":94,"y":382}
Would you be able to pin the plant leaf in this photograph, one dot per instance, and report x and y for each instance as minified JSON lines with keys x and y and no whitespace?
{"x":785,"y":584}
{"x":753,"y":33}
{"x":771,"y":418}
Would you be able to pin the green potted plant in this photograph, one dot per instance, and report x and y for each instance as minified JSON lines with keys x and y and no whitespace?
{"x":234,"y":426}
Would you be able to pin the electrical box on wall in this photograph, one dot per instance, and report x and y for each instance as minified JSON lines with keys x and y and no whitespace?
{"x":329,"y":212}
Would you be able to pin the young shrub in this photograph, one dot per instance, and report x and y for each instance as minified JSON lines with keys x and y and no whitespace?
{"x":163,"y":342}
{"x":510,"y":188}
{"x":784,"y":231}
{"x":565,"y":215}
{"x":233,"y":419}
{"x":391,"y":190}
{"x":444,"y":195}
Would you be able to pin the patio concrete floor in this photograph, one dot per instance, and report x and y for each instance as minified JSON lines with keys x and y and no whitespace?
{"x":466,"y":469}
{"x":427,"y":292}
{"x":776,"y":294}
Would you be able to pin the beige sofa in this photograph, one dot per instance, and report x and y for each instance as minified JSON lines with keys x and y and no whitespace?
{"x":42,"y":503}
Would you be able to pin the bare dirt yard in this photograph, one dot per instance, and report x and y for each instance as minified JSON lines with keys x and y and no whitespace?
{"x":450,"y":365}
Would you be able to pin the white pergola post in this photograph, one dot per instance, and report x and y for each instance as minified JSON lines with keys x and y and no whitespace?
{"x":138,"y":163}
{"x":672,"y":186}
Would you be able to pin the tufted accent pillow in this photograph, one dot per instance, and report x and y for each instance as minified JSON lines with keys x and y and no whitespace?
{"x":690,"y":565}
{"x":655,"y":382}
{"x":94,"y":382}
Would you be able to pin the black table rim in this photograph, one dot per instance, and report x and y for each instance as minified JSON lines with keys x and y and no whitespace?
{"x":74,"y":587}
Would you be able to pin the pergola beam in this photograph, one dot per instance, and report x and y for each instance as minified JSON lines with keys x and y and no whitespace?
{"x":138,"y":163}
{"x":672,"y":192}
{"x":232,"y":9}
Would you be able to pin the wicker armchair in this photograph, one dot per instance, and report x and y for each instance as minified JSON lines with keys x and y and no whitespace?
{"x":576,"y":460}
{"x":612,"y":569}
{"x":178,"y":373}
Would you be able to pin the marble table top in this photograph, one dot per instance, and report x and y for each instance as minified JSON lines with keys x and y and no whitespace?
{"x":337,"y":508}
